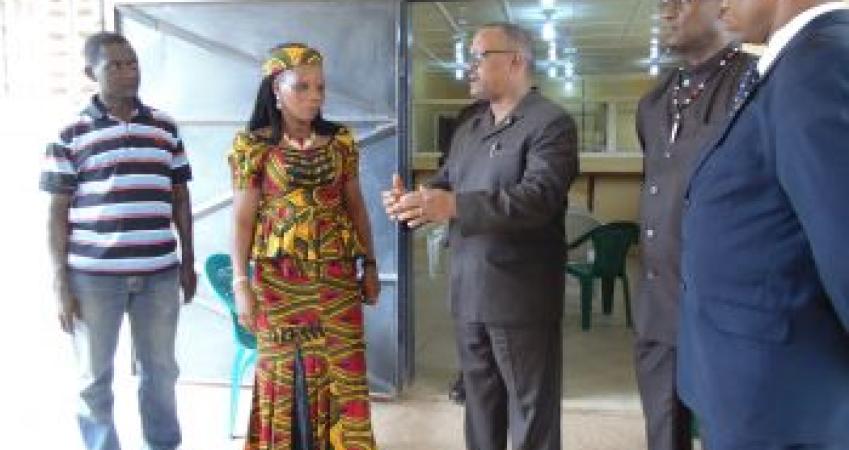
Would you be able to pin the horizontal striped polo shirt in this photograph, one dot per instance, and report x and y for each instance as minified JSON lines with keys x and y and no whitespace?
{"x":120,"y":177}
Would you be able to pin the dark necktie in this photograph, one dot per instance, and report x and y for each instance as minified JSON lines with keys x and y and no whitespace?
{"x":747,"y":84}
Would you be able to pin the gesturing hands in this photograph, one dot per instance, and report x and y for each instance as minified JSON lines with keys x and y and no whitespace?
{"x":393,"y":196}
{"x":418,"y":207}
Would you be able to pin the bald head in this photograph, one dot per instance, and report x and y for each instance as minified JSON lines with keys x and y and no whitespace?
{"x":501,"y":63}
{"x":756,"y":20}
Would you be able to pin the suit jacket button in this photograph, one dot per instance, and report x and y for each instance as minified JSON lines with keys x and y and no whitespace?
{"x":651,"y":275}
{"x":653,"y":189}
{"x":650,"y":233}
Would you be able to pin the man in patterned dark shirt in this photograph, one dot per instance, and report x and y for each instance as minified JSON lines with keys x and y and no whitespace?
{"x":674,"y":122}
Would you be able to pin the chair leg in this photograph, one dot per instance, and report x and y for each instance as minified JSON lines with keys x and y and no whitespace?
{"x":251,"y":359}
{"x":248,"y":358}
{"x":626,"y":289}
{"x":694,"y":428}
{"x":235,"y":386}
{"x":586,"y":302}
{"x":607,"y":285}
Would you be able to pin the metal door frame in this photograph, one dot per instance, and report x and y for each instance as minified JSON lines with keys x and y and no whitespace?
{"x":111,"y":13}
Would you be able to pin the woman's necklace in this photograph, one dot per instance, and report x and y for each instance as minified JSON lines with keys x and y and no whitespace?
{"x":680,"y":104}
{"x":299,"y":144}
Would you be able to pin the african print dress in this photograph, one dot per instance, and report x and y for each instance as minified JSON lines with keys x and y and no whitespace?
{"x":310,"y":390}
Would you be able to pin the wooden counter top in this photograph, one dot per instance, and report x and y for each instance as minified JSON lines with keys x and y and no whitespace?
{"x":611,"y":163}
{"x":591,"y":163}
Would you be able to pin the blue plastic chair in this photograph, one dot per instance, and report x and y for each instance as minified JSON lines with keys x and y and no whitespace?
{"x":219,"y":272}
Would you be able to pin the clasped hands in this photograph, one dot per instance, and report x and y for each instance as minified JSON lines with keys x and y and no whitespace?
{"x":415,"y":208}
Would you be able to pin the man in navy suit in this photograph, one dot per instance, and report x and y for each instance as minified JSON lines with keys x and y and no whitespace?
{"x":764,"y":335}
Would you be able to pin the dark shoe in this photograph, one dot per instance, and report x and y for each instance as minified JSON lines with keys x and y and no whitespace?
{"x":456,"y":392}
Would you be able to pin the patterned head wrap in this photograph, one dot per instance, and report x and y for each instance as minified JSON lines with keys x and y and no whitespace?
{"x":290,"y":56}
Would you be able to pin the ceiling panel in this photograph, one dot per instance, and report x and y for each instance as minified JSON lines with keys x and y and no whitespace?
{"x":608,"y":36}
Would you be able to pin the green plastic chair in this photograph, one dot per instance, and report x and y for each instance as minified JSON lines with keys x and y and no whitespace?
{"x":578,"y":223}
{"x":694,"y":428}
{"x":219,"y":273}
{"x":610,"y":243}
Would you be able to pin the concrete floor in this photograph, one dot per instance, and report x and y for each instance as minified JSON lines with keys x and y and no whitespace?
{"x":598,"y":363}
{"x":601,"y":406}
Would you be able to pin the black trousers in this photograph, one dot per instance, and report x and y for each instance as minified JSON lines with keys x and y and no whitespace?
{"x":512,"y":377}
{"x":667,"y":419}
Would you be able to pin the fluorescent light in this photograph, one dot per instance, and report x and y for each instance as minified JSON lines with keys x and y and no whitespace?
{"x":552,"y":71}
{"x":655,"y":30}
{"x":569,"y":69}
{"x":552,"y":51}
{"x":569,"y":86}
{"x":547,"y":4}
{"x":653,"y":52}
{"x":459,"y":59}
{"x":548,"y":32}
{"x":654,"y":69}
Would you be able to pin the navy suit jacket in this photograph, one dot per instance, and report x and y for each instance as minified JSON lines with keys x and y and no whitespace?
{"x":764,"y":334}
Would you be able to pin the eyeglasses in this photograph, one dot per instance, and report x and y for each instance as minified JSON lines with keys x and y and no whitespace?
{"x":475,"y":58}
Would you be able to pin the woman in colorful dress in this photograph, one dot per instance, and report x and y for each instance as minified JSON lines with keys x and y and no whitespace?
{"x":299,"y":216}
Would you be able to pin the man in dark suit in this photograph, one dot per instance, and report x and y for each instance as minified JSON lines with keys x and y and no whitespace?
{"x":764,"y":337}
{"x":674,"y":122}
{"x":503,"y":191}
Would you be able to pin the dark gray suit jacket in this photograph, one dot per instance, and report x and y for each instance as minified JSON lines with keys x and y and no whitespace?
{"x":507,"y":243}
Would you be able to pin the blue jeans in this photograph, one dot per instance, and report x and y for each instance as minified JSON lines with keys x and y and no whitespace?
{"x":152,"y":303}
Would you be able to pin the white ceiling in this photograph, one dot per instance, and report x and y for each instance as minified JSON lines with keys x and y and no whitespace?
{"x":610,"y":37}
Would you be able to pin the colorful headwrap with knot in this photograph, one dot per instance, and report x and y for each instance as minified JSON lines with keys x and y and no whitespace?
{"x":290,"y":56}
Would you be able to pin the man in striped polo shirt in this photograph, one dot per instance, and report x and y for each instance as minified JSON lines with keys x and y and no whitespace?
{"x":117,"y":178}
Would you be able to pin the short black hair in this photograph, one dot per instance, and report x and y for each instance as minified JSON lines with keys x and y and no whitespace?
{"x":93,"y":48}
{"x":520,"y":37}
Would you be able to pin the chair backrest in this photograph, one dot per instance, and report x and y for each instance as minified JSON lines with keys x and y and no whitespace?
{"x":611,"y":243}
{"x":578,"y":223}
{"x":437,"y":239}
{"x":219,"y":272}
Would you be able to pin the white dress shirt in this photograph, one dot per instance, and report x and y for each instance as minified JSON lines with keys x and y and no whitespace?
{"x":782,"y":37}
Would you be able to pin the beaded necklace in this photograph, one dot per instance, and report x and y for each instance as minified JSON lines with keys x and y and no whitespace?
{"x":680,"y":104}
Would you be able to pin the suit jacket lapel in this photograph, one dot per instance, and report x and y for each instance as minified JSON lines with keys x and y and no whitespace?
{"x":723,"y":131}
